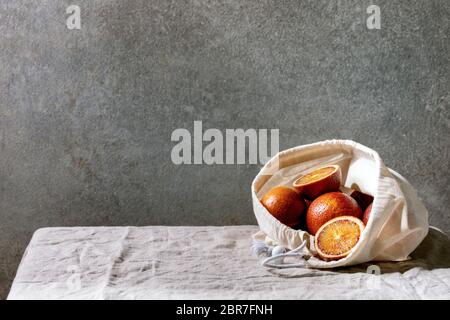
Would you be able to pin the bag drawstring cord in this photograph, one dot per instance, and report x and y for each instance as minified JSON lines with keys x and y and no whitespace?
{"x":280,"y":257}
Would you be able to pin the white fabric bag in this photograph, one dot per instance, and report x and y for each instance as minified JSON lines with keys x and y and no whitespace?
{"x":398,"y":221}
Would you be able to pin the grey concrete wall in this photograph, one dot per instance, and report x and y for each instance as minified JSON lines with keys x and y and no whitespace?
{"x":86,"y":116}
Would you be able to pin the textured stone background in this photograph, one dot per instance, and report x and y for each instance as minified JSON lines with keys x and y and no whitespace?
{"x":86,"y":116}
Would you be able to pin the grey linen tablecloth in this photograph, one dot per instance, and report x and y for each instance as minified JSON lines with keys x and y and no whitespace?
{"x":207,"y":263}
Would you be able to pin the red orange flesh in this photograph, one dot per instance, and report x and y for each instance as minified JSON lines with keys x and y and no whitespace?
{"x":319,"y":181}
{"x":336,"y":238}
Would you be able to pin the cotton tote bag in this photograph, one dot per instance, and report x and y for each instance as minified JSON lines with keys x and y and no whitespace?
{"x":398,"y":220}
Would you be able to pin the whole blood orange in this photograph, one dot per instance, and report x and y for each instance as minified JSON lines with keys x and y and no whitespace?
{"x":319,"y":181}
{"x":328,"y":206}
{"x":366,"y":214}
{"x":285,"y":204}
{"x":336,"y":238}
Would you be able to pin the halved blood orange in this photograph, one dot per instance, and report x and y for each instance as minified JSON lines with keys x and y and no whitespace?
{"x":336,"y":238}
{"x":319,"y":181}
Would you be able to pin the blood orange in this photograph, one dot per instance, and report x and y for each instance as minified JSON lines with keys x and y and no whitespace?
{"x":319,"y":181}
{"x":285,"y":204}
{"x":363,"y":199}
{"x":328,"y":206}
{"x":366,"y":214}
{"x":336,"y":238}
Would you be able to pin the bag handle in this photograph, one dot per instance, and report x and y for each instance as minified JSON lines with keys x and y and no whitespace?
{"x":303,"y":263}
